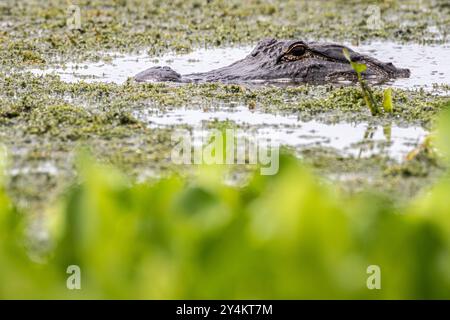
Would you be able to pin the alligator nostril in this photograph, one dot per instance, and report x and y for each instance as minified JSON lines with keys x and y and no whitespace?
{"x":278,"y":60}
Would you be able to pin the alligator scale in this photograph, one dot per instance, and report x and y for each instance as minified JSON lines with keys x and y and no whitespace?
{"x":292,"y":60}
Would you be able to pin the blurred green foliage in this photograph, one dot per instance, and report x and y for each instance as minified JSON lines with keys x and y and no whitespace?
{"x":283,"y":236}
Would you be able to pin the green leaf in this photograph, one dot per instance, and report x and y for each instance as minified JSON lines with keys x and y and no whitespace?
{"x":358,"y":67}
{"x":387,"y":101}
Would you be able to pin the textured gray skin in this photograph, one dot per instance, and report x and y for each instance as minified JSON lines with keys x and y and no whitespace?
{"x":273,"y":60}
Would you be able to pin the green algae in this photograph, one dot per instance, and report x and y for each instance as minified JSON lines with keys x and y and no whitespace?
{"x":45,"y":120}
{"x":35,"y":32}
{"x":27,"y":92}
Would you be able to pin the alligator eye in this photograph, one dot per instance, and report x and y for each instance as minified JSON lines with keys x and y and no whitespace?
{"x":297,"y":51}
{"x":292,"y":54}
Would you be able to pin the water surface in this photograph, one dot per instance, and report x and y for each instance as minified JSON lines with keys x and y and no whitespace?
{"x":429,"y":64}
{"x":354,"y":139}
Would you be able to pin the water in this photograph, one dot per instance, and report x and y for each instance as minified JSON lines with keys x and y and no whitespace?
{"x":354,"y":139}
{"x":428,"y":63}
{"x":47,"y":168}
{"x":123,"y":67}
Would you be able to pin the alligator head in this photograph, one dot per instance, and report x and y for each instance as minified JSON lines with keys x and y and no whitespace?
{"x":292,"y":60}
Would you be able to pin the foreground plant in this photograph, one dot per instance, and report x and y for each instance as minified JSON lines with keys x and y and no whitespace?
{"x":286,"y":236}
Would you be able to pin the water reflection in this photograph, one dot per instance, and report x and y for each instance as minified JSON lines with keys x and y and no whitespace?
{"x":356,"y":139}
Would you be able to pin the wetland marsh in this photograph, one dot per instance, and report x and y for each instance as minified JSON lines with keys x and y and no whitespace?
{"x":64,"y":91}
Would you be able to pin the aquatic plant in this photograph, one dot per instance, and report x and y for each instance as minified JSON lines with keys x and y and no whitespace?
{"x":388,"y":105}
{"x":368,"y":96}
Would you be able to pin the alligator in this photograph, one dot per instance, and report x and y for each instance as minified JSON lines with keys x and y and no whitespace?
{"x":287,"y":60}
